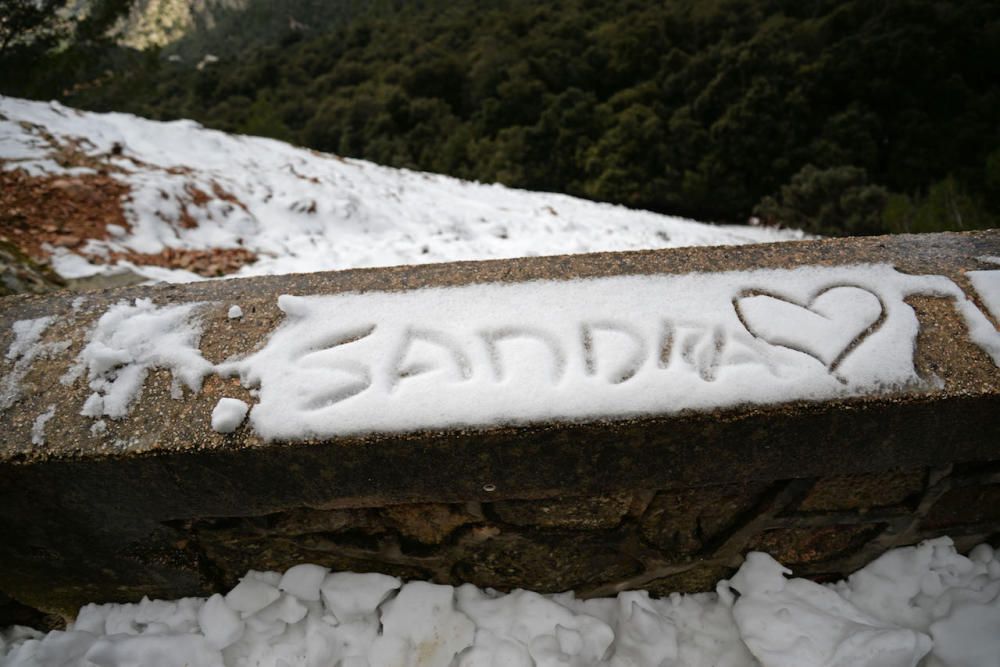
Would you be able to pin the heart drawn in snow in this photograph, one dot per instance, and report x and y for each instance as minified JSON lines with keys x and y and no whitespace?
{"x":834,"y":322}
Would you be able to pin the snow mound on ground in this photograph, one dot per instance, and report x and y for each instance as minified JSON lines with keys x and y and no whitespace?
{"x":918,"y":603}
{"x":297,"y":210}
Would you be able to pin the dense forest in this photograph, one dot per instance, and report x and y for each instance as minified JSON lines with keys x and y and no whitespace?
{"x":840,"y":117}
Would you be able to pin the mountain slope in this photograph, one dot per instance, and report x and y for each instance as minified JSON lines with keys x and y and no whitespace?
{"x":841,"y":117}
{"x":98,"y":191}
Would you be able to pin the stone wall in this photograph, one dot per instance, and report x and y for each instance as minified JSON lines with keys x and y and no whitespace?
{"x":159,"y":504}
{"x":679,"y":539}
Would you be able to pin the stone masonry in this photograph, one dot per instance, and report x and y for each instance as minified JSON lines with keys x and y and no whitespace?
{"x":159,"y":504}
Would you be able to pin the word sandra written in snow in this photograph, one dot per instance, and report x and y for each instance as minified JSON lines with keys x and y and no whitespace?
{"x":611,"y":351}
{"x":508,"y":353}
{"x":602,"y":347}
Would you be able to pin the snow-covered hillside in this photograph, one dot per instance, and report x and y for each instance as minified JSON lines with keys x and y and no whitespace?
{"x":281,"y":209}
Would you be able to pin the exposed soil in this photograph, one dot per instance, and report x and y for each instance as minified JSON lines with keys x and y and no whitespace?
{"x":63,"y":211}
{"x":67,"y":211}
{"x":210,"y":263}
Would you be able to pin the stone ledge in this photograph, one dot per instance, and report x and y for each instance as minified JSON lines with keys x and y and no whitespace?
{"x":655,"y":500}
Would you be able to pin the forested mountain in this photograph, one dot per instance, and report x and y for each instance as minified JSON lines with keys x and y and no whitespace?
{"x":835,"y":116}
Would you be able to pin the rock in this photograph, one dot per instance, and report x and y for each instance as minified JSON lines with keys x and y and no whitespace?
{"x":21,"y":274}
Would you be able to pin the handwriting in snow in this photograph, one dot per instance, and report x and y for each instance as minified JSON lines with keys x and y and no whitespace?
{"x":603,"y":347}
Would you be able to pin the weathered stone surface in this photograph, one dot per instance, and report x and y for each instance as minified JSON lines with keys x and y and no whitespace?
{"x":547,"y":563}
{"x":864,"y":492}
{"x":231,"y":561}
{"x":586,"y":513}
{"x":14,"y":613}
{"x":685,"y":521}
{"x":966,"y":505}
{"x":697,"y":578}
{"x":159,"y":504}
{"x":793,"y":546}
{"x":430,"y":523}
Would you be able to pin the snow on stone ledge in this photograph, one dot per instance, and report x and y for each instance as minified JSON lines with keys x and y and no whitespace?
{"x":127,"y":342}
{"x":582,"y":349}
{"x":25,"y":349}
{"x":516,"y":353}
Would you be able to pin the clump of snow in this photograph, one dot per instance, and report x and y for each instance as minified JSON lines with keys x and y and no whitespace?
{"x":251,"y":595}
{"x":304,"y":581}
{"x":220,"y":623}
{"x":423,"y":621}
{"x":792,"y":623}
{"x":350,"y":597}
{"x":235,"y":312}
{"x":924,"y":605}
{"x":299,"y":210}
{"x":616,"y":346}
{"x":25,"y":349}
{"x":38,"y":427}
{"x":128,"y":341}
{"x":175,"y":651}
{"x":228,"y":414}
{"x":930,"y":588}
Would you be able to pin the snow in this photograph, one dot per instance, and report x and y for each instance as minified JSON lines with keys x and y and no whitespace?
{"x":251,"y":595}
{"x":27,"y":333}
{"x":69,"y":265}
{"x":351,"y":597}
{"x":235,"y":312}
{"x":220,"y":623}
{"x":792,"y":623}
{"x":175,"y":651}
{"x":502,"y":353}
{"x":422,"y":621}
{"x":790,"y":325}
{"x":228,"y":414}
{"x":304,"y":581}
{"x":128,"y":341}
{"x":925,"y":605}
{"x":987,"y":285}
{"x":302,"y":211}
{"x":24,"y":350}
{"x":38,"y":427}
{"x":617,"y":346}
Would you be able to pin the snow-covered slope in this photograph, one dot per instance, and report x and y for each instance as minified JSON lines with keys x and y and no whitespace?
{"x":296,"y":210}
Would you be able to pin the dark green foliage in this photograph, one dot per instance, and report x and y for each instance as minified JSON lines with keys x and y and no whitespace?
{"x":838,"y":200}
{"x":947,"y":204}
{"x":44,"y":48}
{"x":26,"y":24}
{"x":846,"y":116}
